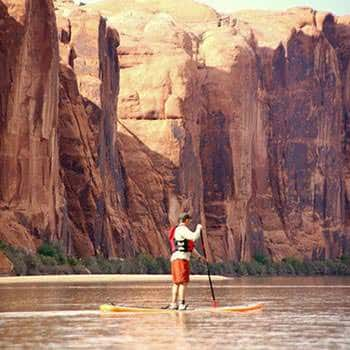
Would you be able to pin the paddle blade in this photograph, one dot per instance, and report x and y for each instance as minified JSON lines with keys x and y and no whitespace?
{"x":215,"y":303}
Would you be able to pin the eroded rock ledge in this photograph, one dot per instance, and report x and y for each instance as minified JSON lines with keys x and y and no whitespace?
{"x":106,"y":136}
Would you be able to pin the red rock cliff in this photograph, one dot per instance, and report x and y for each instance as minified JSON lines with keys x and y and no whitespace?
{"x":299,"y":200}
{"x":90,"y":160}
{"x":30,"y":190}
{"x":244,"y":124}
{"x":242,"y":120}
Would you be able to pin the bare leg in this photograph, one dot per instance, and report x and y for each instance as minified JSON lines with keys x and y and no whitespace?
{"x":182,"y":292}
{"x":174,"y":293}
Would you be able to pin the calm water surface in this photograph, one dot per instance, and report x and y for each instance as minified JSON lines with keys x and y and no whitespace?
{"x":300,"y":313}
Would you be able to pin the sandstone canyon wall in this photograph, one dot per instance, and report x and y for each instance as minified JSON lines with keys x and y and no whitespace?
{"x":31,"y":194}
{"x":247,"y":112}
{"x":90,"y":162}
{"x":61,"y":173}
{"x":242,"y":120}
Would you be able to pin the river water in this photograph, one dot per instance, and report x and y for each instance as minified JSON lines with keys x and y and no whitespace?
{"x":300,"y":313}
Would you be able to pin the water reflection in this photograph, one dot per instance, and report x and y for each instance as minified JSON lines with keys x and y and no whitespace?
{"x":299,"y":313}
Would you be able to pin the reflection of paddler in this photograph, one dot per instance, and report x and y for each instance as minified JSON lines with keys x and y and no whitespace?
{"x":181,"y":319}
{"x":182,"y":245}
{"x":181,"y":322}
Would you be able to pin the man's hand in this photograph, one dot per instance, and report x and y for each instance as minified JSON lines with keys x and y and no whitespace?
{"x":198,"y":256}
{"x":203,"y":259}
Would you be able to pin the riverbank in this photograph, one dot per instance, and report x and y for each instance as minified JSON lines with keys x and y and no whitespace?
{"x":99,"y":278}
{"x":51,"y":260}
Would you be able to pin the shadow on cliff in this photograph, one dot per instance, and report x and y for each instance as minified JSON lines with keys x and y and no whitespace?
{"x":133,"y":150}
{"x":300,"y":96}
{"x":150,"y":178}
{"x":9,"y":51}
{"x":129,"y":139}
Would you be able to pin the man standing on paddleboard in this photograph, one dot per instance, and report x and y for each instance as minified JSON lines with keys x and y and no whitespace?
{"x":182,"y":245}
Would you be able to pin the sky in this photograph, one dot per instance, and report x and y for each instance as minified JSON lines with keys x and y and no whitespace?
{"x":339,"y":7}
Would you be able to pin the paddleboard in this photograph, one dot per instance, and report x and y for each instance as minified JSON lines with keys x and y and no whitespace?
{"x":120,"y":308}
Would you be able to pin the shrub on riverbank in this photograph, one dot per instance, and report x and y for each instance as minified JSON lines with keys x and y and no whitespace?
{"x":287,"y":267}
{"x":50,"y":259}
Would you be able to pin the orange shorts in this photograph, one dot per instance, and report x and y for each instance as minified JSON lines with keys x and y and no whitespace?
{"x":180,"y":271}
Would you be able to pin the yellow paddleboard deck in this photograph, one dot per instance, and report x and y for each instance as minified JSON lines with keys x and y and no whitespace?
{"x":241,"y":308}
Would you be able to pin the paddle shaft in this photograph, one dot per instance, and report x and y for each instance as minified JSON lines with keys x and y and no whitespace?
{"x":209,"y":277}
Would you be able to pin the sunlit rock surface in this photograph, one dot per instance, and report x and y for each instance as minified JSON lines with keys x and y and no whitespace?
{"x":249,"y":112}
{"x":242,"y":120}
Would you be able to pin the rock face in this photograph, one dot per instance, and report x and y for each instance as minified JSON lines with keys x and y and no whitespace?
{"x":6,"y":266}
{"x":90,"y":160}
{"x":195,"y":12}
{"x":301,"y":110}
{"x":30,"y":190}
{"x":90,"y":213}
{"x":160,"y":147}
{"x":339,"y":35}
{"x":241,"y":120}
{"x":244,"y":124}
{"x":63,"y":178}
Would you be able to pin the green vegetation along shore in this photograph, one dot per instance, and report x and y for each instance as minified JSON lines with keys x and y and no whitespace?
{"x":50,"y":260}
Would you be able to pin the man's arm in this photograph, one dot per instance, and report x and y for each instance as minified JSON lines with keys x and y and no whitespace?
{"x":188,"y":234}
{"x":197,"y":255}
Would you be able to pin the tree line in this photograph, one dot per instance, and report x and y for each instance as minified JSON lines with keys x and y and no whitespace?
{"x":50,"y":259}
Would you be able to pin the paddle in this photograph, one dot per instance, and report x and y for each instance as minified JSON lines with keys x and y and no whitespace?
{"x":214,"y":303}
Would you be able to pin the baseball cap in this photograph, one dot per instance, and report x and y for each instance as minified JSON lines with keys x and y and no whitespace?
{"x":184,"y":216}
